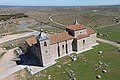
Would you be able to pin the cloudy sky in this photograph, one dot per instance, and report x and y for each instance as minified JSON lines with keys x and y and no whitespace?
{"x":58,"y":2}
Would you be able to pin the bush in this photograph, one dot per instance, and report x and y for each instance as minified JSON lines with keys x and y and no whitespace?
{"x":13,"y":16}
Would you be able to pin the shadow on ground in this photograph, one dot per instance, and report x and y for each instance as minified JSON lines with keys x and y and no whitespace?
{"x":26,"y":59}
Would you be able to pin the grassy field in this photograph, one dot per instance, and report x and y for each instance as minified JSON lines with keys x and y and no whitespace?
{"x":84,"y":67}
{"x":10,"y":28}
{"x":87,"y":17}
{"x":40,"y":16}
{"x":50,"y":30}
{"x":86,"y":70}
{"x":19,"y":32}
{"x":113,"y":32}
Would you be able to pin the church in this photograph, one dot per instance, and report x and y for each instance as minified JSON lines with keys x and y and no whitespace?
{"x":49,"y":47}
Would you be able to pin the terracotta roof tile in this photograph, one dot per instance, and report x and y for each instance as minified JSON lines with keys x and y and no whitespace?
{"x":76,"y":27}
{"x":31,"y":40}
{"x":90,"y":31}
{"x":55,"y":38}
{"x":82,"y":36}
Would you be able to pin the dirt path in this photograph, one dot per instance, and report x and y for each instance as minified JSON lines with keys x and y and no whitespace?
{"x":109,"y":42}
{"x":16,"y":36}
{"x":6,"y":61}
{"x":7,"y":64}
{"x":66,"y":25}
{"x":107,"y":25}
{"x":55,"y":21}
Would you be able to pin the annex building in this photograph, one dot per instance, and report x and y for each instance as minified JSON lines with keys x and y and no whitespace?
{"x":48,"y":48}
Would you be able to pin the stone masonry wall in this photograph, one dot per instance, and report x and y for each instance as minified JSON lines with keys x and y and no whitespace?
{"x":69,"y":46}
{"x":78,"y":32}
{"x":47,"y":57}
{"x":82,"y":46}
{"x":54,"y":50}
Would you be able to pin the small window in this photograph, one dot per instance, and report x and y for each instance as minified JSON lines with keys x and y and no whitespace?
{"x":45,"y":44}
{"x":83,"y":41}
{"x":63,"y":46}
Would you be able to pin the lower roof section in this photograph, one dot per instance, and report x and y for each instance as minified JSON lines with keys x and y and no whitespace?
{"x":59,"y":37}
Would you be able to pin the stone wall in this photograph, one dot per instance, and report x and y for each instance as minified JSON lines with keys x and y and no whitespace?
{"x":92,"y":39}
{"x":69,"y":46}
{"x":54,"y":50}
{"x":83,"y":44}
{"x":65,"y":48}
{"x":47,"y":57}
{"x":78,"y":32}
{"x":89,"y":42}
{"x":62,"y":48}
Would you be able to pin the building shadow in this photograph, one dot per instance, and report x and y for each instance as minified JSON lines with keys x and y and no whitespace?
{"x":24,"y":60}
{"x":28,"y":57}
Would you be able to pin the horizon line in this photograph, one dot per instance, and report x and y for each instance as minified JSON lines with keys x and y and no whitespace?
{"x":59,"y":5}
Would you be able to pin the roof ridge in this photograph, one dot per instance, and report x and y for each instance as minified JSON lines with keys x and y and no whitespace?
{"x":76,"y":27}
{"x":60,"y":37}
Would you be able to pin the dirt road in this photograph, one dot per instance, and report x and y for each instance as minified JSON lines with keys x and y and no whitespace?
{"x":109,"y":42}
{"x":55,"y":21}
{"x":16,"y":36}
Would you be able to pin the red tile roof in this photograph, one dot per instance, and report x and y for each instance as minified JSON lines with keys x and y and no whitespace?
{"x":82,"y":36}
{"x":76,"y":27}
{"x":31,"y":40}
{"x":55,"y":38}
{"x":90,"y":31}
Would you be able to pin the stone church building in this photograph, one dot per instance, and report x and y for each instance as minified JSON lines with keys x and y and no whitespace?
{"x":48,"y":48}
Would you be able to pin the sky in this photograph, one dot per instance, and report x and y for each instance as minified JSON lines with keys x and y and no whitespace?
{"x":58,"y":2}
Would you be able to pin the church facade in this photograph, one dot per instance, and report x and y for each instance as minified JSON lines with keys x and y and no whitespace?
{"x":48,"y":48}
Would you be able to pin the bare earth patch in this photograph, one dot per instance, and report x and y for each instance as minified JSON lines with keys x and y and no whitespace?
{"x":6,"y":61}
{"x":20,"y":75}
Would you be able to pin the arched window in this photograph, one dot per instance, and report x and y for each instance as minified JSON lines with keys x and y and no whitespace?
{"x":62,"y":46}
{"x":83,"y":41}
{"x":45,"y":44}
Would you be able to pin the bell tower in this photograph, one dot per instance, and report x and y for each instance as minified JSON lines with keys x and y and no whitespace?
{"x":44,"y":44}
